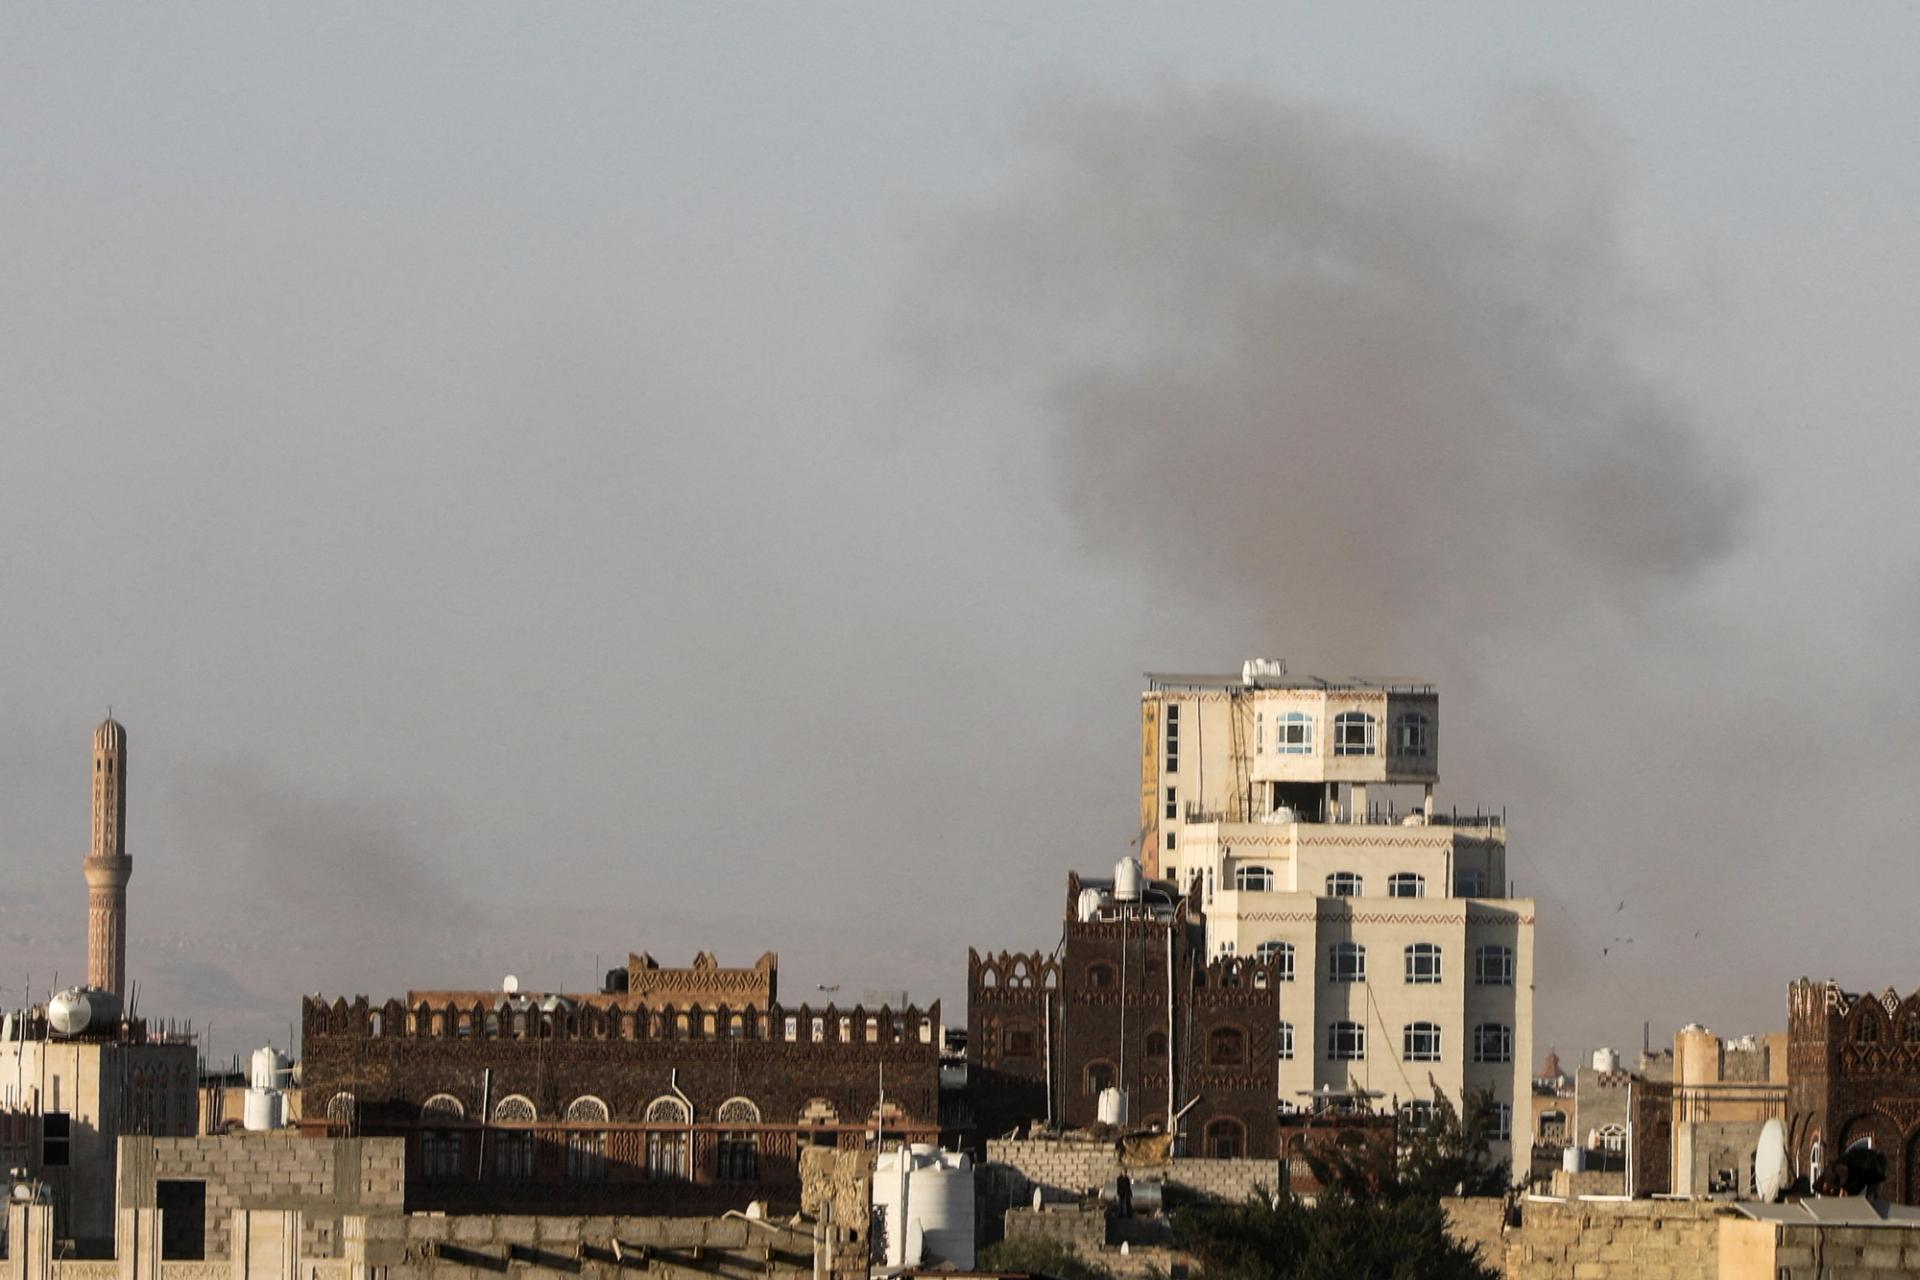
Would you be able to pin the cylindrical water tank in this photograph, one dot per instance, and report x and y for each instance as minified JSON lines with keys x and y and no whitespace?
{"x":925,"y":1200}
{"x":1573,"y":1159}
{"x":1605,"y":1060}
{"x":1089,"y":904}
{"x":78,"y":1008}
{"x":268,"y":1068}
{"x":1112,"y":1107}
{"x":263,"y":1110}
{"x":1126,"y":880}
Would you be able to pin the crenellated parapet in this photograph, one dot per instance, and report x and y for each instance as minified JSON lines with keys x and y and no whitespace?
{"x":507,"y":1018}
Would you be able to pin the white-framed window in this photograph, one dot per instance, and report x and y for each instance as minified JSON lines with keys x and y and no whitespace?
{"x":1502,"y":1126}
{"x":1353,"y":734}
{"x":1423,"y":964}
{"x":1346,"y":1042}
{"x":1469,"y":882}
{"x":1608,"y":1137}
{"x":1492,"y":1042}
{"x":1420,"y":1042}
{"x":1282,"y":954}
{"x":1172,"y":737}
{"x":1293,"y":734}
{"x":1413,"y":734}
{"x":442,"y":1107}
{"x":1253,"y":879}
{"x":514,"y":1109}
{"x":1344,"y":884}
{"x":1283,"y":1036}
{"x":1346,"y":962}
{"x":668,"y":1110}
{"x":1406,"y":884}
{"x":1493,"y":965}
{"x":819,"y":1029}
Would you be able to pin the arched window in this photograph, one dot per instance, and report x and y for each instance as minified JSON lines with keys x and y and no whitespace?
{"x":1344,"y":884}
{"x":1227,"y":1047}
{"x":1492,"y":1042}
{"x":1253,"y":879}
{"x":668,"y":1110}
{"x":1406,"y":884}
{"x":1866,"y":1030}
{"x":1413,"y":735}
{"x":1226,"y":1138}
{"x":1346,"y":1042}
{"x":737,"y":1153}
{"x":1100,"y":1075}
{"x":1493,"y":966}
{"x":1346,"y":962}
{"x":1293,"y":734}
{"x":342,"y":1110}
{"x":586,"y":1110}
{"x":1608,"y":1137}
{"x":515,"y":1108}
{"x":819,"y":1111}
{"x":1100,"y":974}
{"x":1282,"y":954}
{"x":1423,"y":964}
{"x":1421,"y":1042}
{"x":441,"y":1108}
{"x":1353,"y":734}
{"x":1284,"y":1034}
{"x":1156,"y":1046}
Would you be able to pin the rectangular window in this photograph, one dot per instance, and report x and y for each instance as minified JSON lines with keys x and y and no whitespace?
{"x":1423,"y":964}
{"x":1346,"y":962}
{"x":1346,"y":1042}
{"x":1173,"y":738}
{"x":56,"y":1139}
{"x":1493,"y":966}
{"x":1469,"y":883}
{"x":1422,"y":1042}
{"x":1170,"y":842}
{"x":1493,"y":1042}
{"x":513,"y":1154}
{"x":439,"y":1154}
{"x":586,"y":1156}
{"x":1173,"y":803}
{"x":666,"y":1156}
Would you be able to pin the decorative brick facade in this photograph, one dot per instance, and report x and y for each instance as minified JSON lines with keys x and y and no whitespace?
{"x":1128,"y":1003}
{"x":591,"y":1109}
{"x":1853,"y":1072}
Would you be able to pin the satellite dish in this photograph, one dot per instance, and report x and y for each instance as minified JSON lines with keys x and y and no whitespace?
{"x":1770,"y":1162}
{"x":510,"y":985}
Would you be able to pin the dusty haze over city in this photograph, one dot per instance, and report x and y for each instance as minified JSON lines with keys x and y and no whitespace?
{"x":536,"y":483}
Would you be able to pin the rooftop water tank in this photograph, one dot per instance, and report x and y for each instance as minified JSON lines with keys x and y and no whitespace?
{"x":77,"y":1009}
{"x":1112,"y":1107}
{"x":264,"y":1110}
{"x":1089,"y":904}
{"x":1606,"y":1060}
{"x":1127,"y":880}
{"x":924,"y":1197}
{"x":268,"y":1068}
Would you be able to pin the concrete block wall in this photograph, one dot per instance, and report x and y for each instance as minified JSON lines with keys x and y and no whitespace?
{"x":1772,"y":1251}
{"x":1082,"y":1228}
{"x":324,"y":1178}
{"x":1066,"y":1170}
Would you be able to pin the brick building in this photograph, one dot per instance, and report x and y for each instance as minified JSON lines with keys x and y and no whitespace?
{"x":545,"y":1105}
{"x":1853,"y":1073}
{"x":1128,"y":1001}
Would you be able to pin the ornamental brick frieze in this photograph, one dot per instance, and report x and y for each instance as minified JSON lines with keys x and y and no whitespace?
{"x":1904,"y":1112}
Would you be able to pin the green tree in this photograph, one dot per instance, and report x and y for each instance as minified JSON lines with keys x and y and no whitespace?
{"x":1042,"y":1258}
{"x":1447,"y":1155}
{"x":1338,"y":1238}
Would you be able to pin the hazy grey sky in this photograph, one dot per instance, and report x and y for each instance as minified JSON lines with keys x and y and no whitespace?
{"x":537,"y":483}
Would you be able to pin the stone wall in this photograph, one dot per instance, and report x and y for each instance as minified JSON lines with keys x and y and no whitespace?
{"x":324,"y":1178}
{"x":1479,"y":1222}
{"x":438,"y":1247}
{"x":1774,"y":1251}
{"x":1066,"y":1170}
{"x":1615,"y":1240}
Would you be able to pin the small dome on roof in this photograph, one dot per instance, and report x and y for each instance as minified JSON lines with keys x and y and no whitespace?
{"x":110,"y":736}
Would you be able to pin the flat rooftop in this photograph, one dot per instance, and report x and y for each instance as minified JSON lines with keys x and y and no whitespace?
{"x":1163,"y":682}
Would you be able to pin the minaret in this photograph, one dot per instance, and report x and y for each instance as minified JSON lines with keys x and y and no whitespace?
{"x":108,"y":867}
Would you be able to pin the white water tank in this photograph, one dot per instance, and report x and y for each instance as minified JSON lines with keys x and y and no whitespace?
{"x":1606,"y":1060}
{"x":268,"y":1068}
{"x":1090,"y":900}
{"x":78,"y":1008}
{"x":1112,"y":1107}
{"x":263,"y":1110}
{"x":1126,"y":880}
{"x":1573,"y":1158}
{"x":925,"y":1199}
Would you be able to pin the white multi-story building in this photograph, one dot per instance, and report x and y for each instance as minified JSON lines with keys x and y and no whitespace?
{"x":1303,"y":810}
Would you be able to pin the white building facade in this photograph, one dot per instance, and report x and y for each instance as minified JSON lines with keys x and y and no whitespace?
{"x":1304,"y":812}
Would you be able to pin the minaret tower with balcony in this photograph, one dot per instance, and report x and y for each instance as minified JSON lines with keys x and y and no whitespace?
{"x":108,"y":867}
